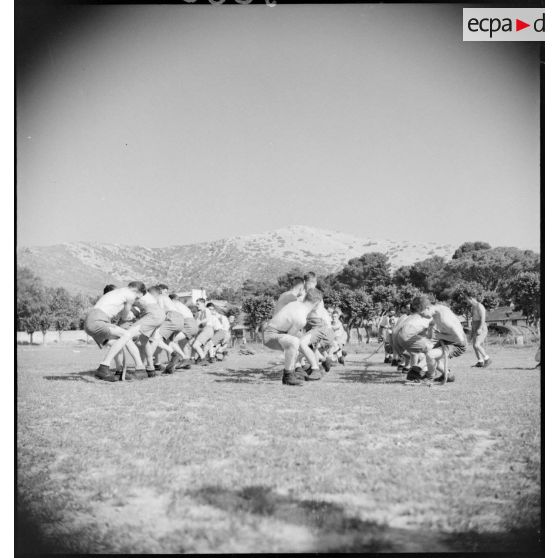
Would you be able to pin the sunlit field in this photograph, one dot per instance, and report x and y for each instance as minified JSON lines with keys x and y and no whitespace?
{"x":223,"y":458}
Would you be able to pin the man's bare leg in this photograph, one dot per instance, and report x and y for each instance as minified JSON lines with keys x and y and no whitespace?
{"x":291,"y":347}
{"x":310,"y":357}
{"x":123,"y":340}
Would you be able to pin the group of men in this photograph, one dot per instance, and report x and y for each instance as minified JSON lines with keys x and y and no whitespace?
{"x":149,"y":322}
{"x":309,"y":335}
{"x":419,"y":342}
{"x":425,"y":334}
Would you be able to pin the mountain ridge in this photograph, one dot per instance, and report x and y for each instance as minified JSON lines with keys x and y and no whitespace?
{"x":87,"y":266}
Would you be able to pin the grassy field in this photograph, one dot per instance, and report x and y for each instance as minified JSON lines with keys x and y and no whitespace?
{"x":223,"y":458}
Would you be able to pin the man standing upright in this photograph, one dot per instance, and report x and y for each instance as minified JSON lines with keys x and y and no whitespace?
{"x":479,"y":330}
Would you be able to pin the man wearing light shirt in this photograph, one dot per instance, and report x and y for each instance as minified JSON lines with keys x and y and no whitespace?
{"x":116,"y":303}
{"x":284,"y":333}
{"x":206,"y":322}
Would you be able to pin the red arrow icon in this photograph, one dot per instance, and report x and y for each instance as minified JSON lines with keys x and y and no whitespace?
{"x":519,"y":25}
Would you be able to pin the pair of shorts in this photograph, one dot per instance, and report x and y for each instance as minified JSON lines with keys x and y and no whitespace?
{"x":205,"y":335}
{"x":479,"y":338}
{"x":321,"y":334}
{"x":97,"y":325}
{"x":173,"y":324}
{"x":152,"y":320}
{"x":272,"y":338}
{"x":414,"y":344}
{"x":219,"y":337}
{"x":456,"y":349}
{"x":191,"y":328}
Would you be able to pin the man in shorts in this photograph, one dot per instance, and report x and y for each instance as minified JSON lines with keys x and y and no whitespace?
{"x":322,"y":338}
{"x":410,"y":336}
{"x":205,"y":330}
{"x":220,"y":326}
{"x":445,"y":330}
{"x":292,"y":295}
{"x":114,"y":304}
{"x":146,"y":328}
{"x":283,"y":333}
{"x":170,"y":329}
{"x":339,"y":335}
{"x":403,"y":359}
{"x":479,"y":331}
{"x":386,"y":324}
{"x":189,"y":331}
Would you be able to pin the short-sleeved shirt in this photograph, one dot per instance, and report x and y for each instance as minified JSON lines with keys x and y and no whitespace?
{"x":283,"y":300}
{"x":114,"y":301}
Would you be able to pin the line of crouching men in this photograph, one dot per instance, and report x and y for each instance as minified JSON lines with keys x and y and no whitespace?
{"x":149,"y":324}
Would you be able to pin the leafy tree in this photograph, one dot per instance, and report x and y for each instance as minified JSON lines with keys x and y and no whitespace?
{"x":402,"y":276}
{"x":44,"y":321}
{"x":490,"y":299}
{"x":427,"y":274}
{"x":383,"y":297}
{"x":405,"y":295}
{"x":524,"y":291}
{"x":459,"y":292}
{"x":258,"y":310}
{"x":61,"y":309}
{"x":366,"y":272}
{"x":331,"y":295}
{"x":31,"y":301}
{"x":470,"y":247}
{"x":356,"y":306}
{"x":492,"y":268}
{"x":80,"y":304}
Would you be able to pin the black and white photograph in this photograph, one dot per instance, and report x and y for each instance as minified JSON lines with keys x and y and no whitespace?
{"x":278,"y":277}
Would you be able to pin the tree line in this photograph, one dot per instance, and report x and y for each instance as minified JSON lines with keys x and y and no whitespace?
{"x":41,"y":308}
{"x":366,"y":287}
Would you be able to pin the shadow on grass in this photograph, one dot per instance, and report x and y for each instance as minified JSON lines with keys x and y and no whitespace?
{"x":367,"y":376}
{"x":247,"y":375}
{"x":85,"y":376}
{"x":336,"y":531}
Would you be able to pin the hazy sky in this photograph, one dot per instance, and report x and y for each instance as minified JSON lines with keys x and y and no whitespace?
{"x":161,"y":125}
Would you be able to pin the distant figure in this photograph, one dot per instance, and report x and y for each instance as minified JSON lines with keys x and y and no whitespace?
{"x":340,"y":335}
{"x":479,"y":331}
